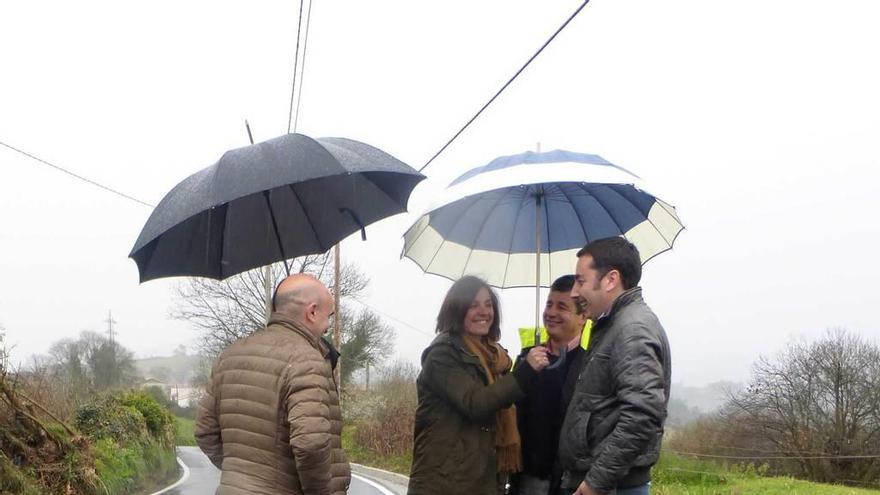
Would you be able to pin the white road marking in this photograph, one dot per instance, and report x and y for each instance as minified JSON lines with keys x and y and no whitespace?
{"x":178,"y":482}
{"x":377,"y":486}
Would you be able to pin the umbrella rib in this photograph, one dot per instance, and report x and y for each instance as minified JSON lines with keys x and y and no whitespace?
{"x":616,"y":224}
{"x":501,"y":196}
{"x":512,"y":236}
{"x":664,"y":206}
{"x":664,"y":250}
{"x":654,"y":226}
{"x":647,"y":218}
{"x":440,"y":247}
{"x":393,"y":200}
{"x":223,"y":236}
{"x":577,"y":214}
{"x":418,"y":235}
{"x":306,"y":215}
{"x":549,"y":251}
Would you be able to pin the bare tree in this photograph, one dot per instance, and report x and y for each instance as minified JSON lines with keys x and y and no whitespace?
{"x":366,"y":341}
{"x":4,"y":353}
{"x":91,"y":362}
{"x":225,"y":311}
{"x":817,"y":404}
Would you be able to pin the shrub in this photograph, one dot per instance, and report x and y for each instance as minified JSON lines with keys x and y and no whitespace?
{"x":107,"y":417}
{"x":159,"y":420}
{"x":385,"y":420}
{"x":133,"y":435}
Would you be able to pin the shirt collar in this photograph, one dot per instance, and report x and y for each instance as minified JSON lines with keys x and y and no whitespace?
{"x":572,"y":344}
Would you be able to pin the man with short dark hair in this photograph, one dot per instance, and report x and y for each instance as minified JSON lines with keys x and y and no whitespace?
{"x":270,"y":419}
{"x":614,"y":425}
{"x":540,"y":413}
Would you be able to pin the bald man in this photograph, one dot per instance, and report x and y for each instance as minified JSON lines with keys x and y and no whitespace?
{"x":270,"y":418}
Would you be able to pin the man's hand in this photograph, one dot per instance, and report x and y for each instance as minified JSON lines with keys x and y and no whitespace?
{"x":537,"y":358}
{"x":584,"y":489}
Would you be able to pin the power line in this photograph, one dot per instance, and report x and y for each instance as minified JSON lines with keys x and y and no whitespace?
{"x":767,"y":451}
{"x":405,"y":324}
{"x":295,"y":64}
{"x":529,"y":61}
{"x":302,"y":74}
{"x":77,"y":176}
{"x":794,"y":457}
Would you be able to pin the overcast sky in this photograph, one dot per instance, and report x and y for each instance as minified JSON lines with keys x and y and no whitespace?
{"x":759,"y":121}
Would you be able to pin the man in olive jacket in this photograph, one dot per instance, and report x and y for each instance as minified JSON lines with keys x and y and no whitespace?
{"x":614,"y":424}
{"x":270,"y":419}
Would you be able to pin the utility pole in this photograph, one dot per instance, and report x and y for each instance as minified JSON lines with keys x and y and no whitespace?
{"x":268,"y":282}
{"x":112,"y":378}
{"x":337,"y":322}
{"x":110,"y":321}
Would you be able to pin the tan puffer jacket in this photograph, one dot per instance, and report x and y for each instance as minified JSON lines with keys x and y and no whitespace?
{"x":270,"y":419}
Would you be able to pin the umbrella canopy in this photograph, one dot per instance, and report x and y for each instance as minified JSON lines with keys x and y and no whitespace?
{"x":286,"y":197}
{"x":518,"y":221}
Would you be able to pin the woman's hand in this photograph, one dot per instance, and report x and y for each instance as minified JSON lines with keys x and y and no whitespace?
{"x":538,"y":358}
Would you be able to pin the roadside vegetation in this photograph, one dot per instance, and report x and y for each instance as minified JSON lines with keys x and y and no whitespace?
{"x":74,"y":426}
{"x":184,"y":431}
{"x":677,"y":475}
{"x":379,"y":421}
{"x":807,"y":423}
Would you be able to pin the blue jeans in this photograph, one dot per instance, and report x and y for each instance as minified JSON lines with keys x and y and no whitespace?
{"x":634,"y":490}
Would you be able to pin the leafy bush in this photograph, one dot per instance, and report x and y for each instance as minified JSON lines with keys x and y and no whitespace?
{"x":134,"y":439}
{"x":159,"y":420}
{"x":107,"y":417}
{"x":127,"y":417}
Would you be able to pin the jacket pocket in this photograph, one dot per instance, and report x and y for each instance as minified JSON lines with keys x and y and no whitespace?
{"x":601,"y":425}
{"x":574,"y":448}
{"x":596,"y":377}
{"x":453,"y":458}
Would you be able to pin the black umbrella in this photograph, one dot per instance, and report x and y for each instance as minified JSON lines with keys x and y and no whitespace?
{"x":286,"y":197}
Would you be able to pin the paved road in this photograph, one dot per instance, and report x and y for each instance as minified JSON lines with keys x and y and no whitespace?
{"x":204,"y":477}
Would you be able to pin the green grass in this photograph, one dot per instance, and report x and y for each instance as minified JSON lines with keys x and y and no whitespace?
{"x":129,"y":468}
{"x":397,"y":464}
{"x":673,"y":475}
{"x":676,"y":475}
{"x":185,"y":431}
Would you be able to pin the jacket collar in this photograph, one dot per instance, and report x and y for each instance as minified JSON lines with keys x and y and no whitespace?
{"x":628,"y":297}
{"x":456,"y":342}
{"x":289,"y":323}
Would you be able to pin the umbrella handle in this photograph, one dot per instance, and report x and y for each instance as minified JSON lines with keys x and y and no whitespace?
{"x":277,"y":234}
{"x":559,"y":362}
{"x":357,"y":220}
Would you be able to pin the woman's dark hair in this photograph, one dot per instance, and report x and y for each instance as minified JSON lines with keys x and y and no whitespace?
{"x":457,"y":302}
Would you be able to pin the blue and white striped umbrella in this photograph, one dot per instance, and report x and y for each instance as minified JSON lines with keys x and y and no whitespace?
{"x":518,"y":221}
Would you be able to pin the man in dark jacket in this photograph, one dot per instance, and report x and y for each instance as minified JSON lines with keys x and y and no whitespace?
{"x":614,"y":424}
{"x":540,"y":412}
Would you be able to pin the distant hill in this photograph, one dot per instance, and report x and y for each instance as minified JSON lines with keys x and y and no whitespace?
{"x":705,"y":399}
{"x":177,"y":369}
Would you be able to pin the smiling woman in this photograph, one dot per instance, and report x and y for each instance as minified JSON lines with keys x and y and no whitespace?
{"x":466,"y":439}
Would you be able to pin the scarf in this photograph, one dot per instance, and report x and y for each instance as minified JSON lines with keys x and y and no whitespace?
{"x":496,"y":362}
